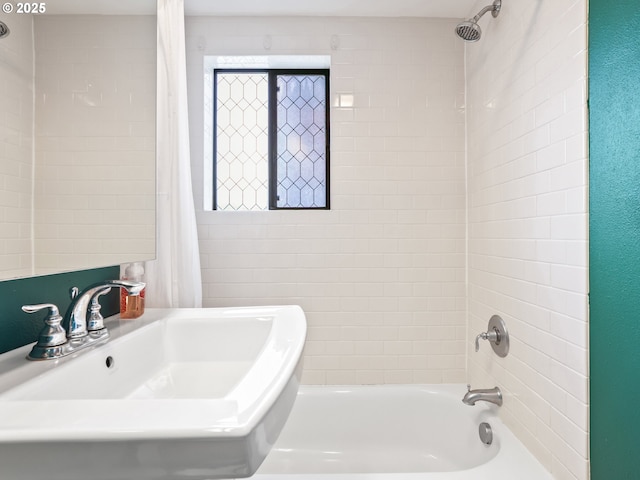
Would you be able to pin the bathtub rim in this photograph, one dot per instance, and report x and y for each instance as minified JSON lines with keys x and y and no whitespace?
{"x":513,"y":460}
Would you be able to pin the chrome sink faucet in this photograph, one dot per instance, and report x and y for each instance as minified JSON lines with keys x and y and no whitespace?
{"x":54,"y":341}
{"x":491,"y":395}
{"x":76,"y":318}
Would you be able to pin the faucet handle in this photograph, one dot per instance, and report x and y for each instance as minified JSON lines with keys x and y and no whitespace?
{"x":52,"y":334}
{"x":481,"y":336}
{"x":96,"y":320}
{"x":41,"y":306}
{"x":497,"y":335}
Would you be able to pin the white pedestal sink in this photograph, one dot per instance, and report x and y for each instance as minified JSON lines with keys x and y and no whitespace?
{"x":177,"y":394}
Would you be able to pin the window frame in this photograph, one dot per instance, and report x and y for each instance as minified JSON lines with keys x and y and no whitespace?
{"x":272,"y":147}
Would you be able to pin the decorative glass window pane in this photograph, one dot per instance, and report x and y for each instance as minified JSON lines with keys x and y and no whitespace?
{"x":242,"y":141}
{"x":271,"y":139}
{"x":301,"y":156}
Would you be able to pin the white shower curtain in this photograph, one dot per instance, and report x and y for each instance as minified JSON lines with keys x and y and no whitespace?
{"x":174,"y":278}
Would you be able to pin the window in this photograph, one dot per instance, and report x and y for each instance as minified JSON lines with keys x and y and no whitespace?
{"x":271,"y":142}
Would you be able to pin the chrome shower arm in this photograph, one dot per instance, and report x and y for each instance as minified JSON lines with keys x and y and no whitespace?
{"x":488,"y":8}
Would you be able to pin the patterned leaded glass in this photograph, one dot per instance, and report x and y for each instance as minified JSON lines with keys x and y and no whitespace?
{"x":301,"y":141}
{"x":242,"y":140}
{"x":271,"y":139}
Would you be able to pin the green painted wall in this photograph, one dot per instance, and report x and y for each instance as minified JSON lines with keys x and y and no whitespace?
{"x":18,"y":328}
{"x":614,"y":190}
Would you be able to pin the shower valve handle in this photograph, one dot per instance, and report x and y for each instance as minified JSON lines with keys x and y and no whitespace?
{"x":492,"y":336}
{"x":497,"y":335}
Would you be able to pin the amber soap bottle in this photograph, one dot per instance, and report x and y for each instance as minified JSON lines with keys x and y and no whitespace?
{"x":132,"y":306}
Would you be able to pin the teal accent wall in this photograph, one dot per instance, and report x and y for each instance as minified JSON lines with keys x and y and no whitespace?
{"x":18,"y":328}
{"x":614,"y":210}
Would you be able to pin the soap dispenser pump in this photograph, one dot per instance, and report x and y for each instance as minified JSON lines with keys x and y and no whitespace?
{"x":132,"y":306}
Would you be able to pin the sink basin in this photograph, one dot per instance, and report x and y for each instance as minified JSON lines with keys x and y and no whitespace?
{"x":176,"y":394}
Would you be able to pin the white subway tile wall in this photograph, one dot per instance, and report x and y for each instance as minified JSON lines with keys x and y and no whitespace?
{"x":16,"y":153}
{"x":381,"y":276}
{"x":527,"y":200}
{"x":95,"y":140}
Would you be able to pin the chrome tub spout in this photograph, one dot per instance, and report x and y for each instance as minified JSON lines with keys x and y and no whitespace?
{"x":491,"y":395}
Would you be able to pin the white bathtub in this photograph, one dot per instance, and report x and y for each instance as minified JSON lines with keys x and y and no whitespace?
{"x":408,"y":432}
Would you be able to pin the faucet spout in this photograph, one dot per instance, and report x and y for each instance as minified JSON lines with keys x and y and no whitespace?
{"x":491,"y":395}
{"x":76,"y":317}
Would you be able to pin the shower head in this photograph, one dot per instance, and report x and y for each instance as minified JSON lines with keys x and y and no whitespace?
{"x":4,"y":30}
{"x":469,"y":30}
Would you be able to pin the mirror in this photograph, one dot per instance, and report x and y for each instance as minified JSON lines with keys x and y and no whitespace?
{"x":77,"y":135}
